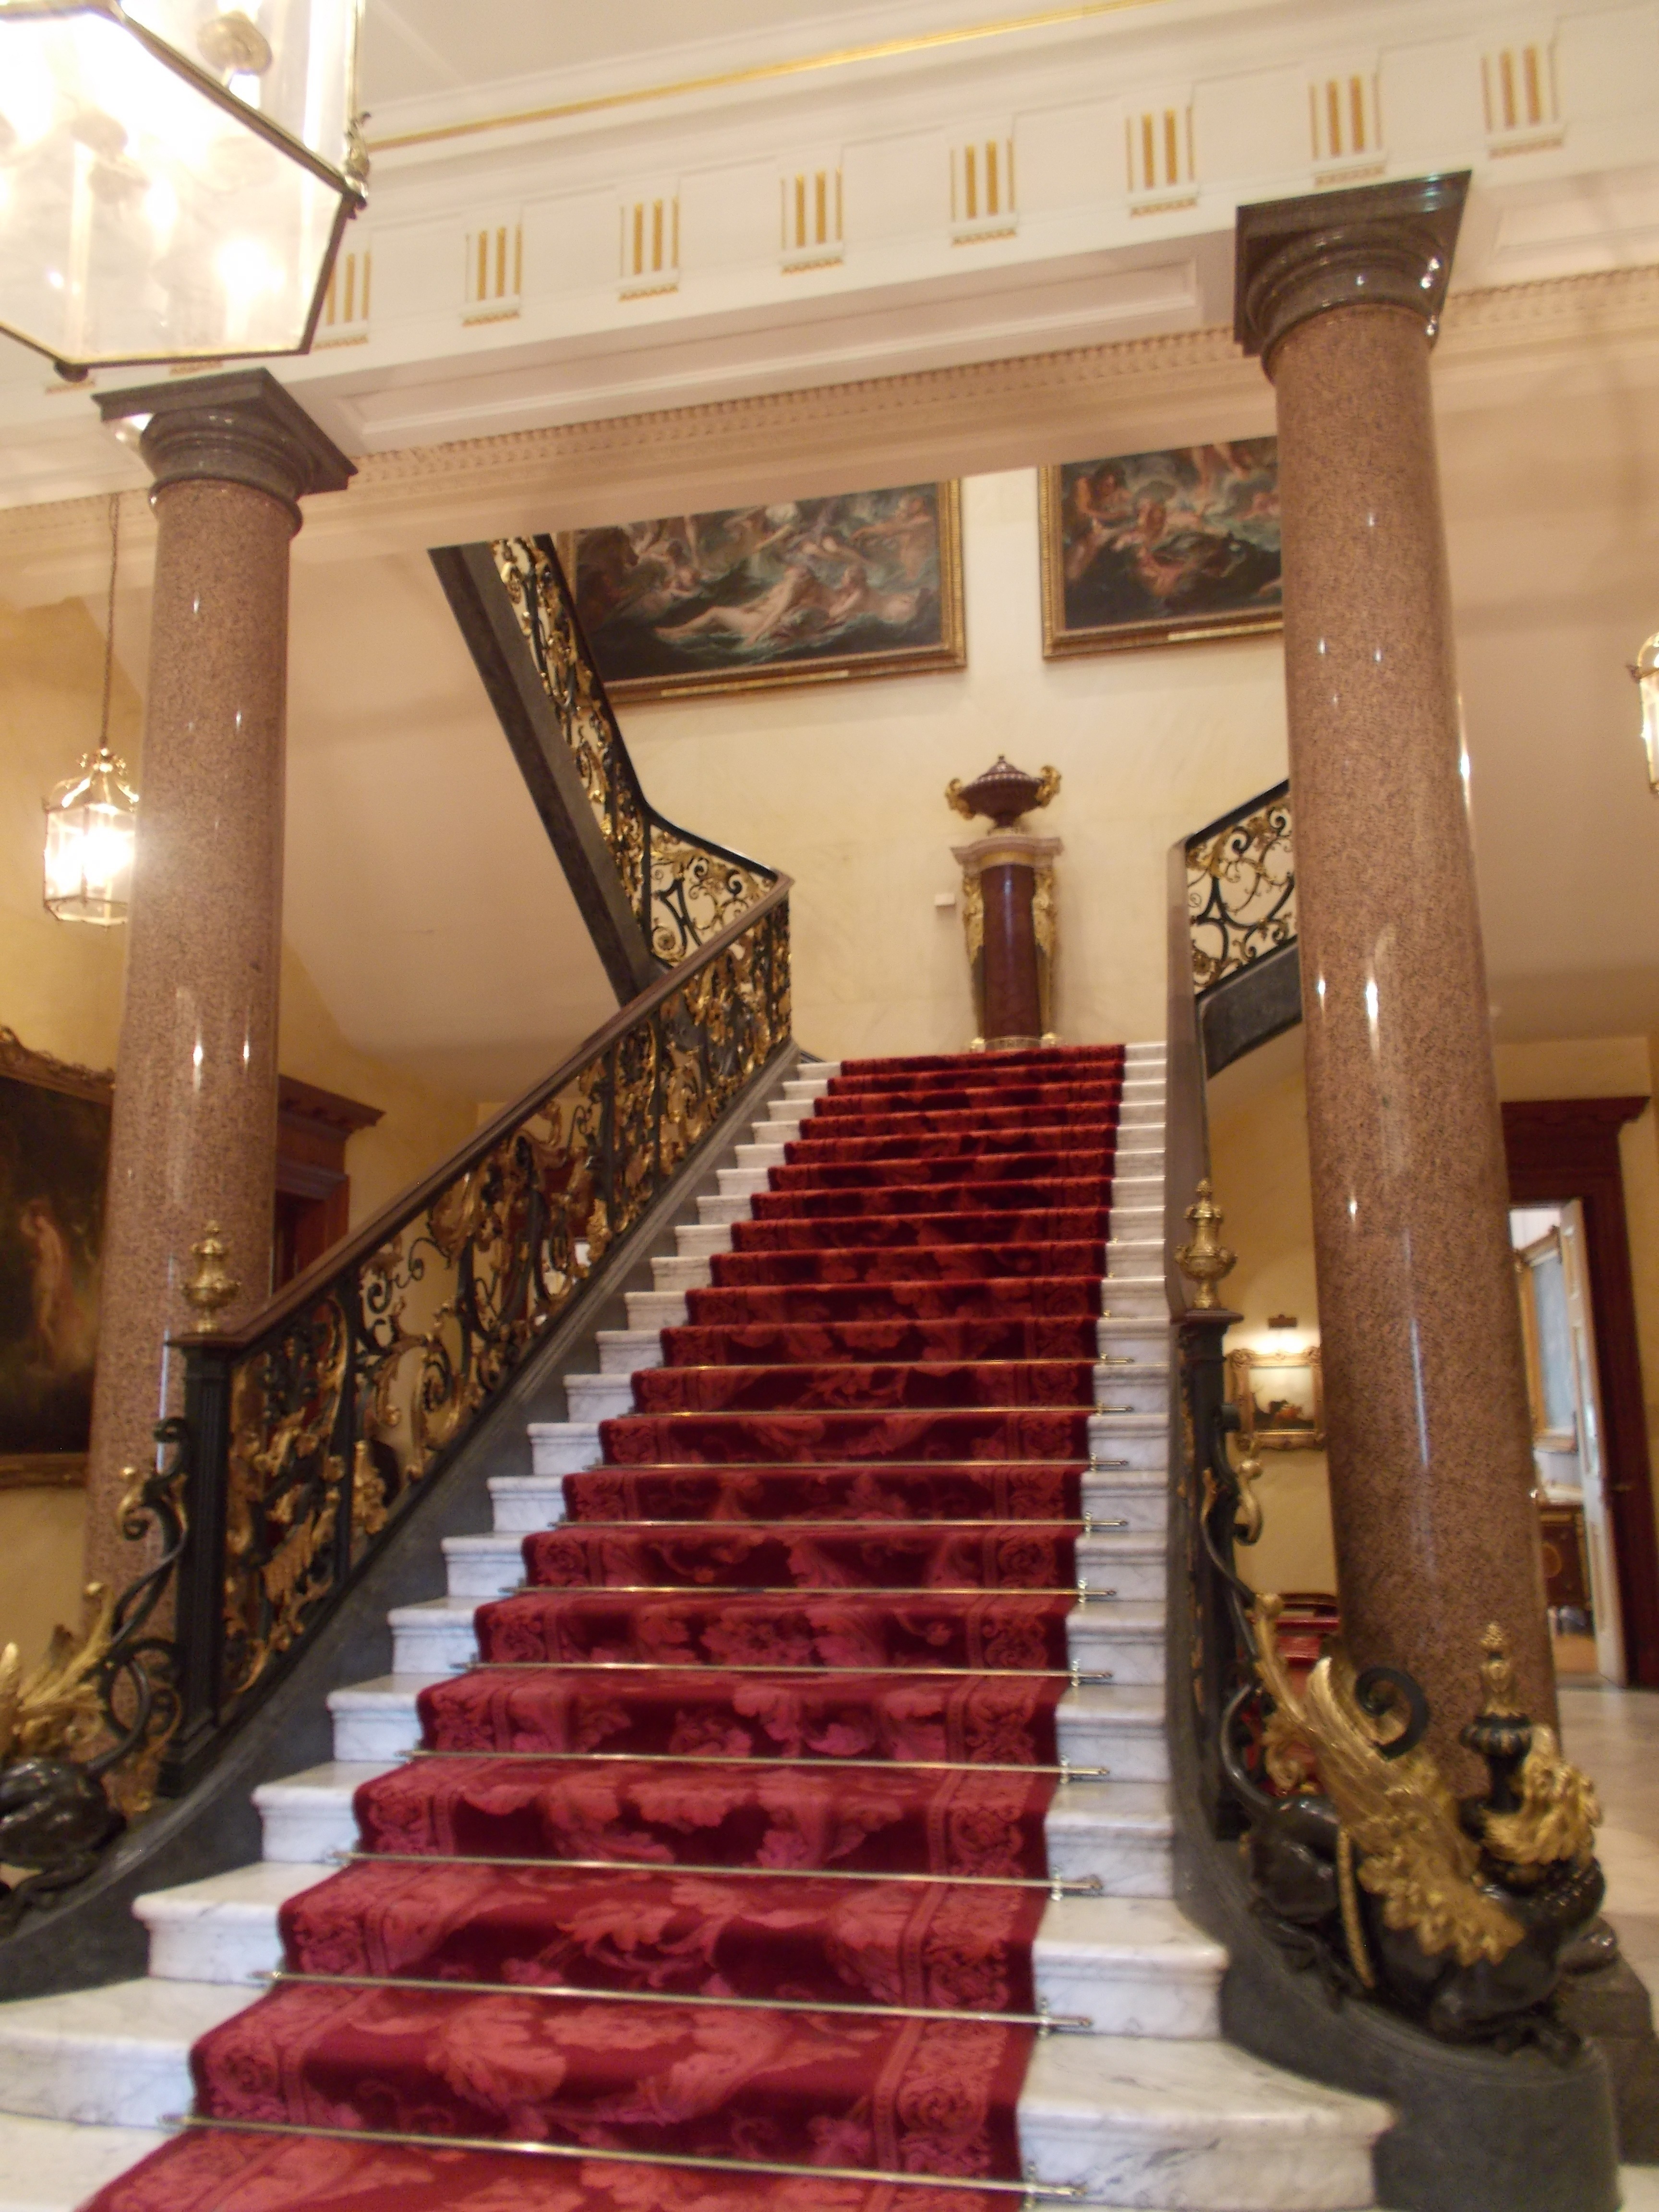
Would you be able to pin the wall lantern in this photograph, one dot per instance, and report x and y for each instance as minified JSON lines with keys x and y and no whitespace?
{"x":1645,"y":669}
{"x":91,"y":816}
{"x":174,"y":179}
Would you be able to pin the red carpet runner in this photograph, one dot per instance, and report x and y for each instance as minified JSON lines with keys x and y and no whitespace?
{"x":732,"y":1846}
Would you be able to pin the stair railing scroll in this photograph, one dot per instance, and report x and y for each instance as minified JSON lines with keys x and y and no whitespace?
{"x":308,"y":1431}
{"x":683,"y":888}
{"x":1239,"y":887}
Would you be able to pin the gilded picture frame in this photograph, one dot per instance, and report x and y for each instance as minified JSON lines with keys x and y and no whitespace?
{"x":1281,"y":1396}
{"x":859,"y":584}
{"x":54,"y":1156}
{"x":1174,"y":546}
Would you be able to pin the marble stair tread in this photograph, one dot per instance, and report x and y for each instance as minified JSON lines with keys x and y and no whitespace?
{"x":1123,"y":1832}
{"x":116,"y":2057}
{"x":674,"y":1272}
{"x":222,"y":1928}
{"x":701,"y":1240}
{"x":602,"y":1397}
{"x":1145,"y":2121}
{"x":377,"y":1720}
{"x":656,"y":1310}
{"x":54,"y":2165}
{"x":563,"y":1447}
{"x":1129,"y":1965}
{"x":308,"y":1815}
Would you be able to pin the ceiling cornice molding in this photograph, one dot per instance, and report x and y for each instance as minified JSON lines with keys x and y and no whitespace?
{"x":978,"y":417}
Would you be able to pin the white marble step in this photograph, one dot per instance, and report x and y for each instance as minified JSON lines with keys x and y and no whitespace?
{"x":53,"y":2166}
{"x":1104,"y":1724}
{"x":304,"y":1816}
{"x":1139,"y":1494}
{"x":1134,"y":1256}
{"x":481,"y":1567}
{"x":1123,"y":1832}
{"x":1132,"y":1966}
{"x":674,"y":1272}
{"x":558,"y":1447}
{"x":656,"y":1310}
{"x":603,"y":1397}
{"x":377,"y":1720}
{"x":701,"y":1240}
{"x":1119,"y":1727}
{"x":224,"y":1928}
{"x":1123,"y":1633}
{"x":1142,"y":1340}
{"x":118,"y":2056}
{"x":1144,"y":2122}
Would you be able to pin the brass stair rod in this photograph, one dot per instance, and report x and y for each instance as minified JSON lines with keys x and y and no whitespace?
{"x":1058,"y":1886}
{"x":1043,"y":2193}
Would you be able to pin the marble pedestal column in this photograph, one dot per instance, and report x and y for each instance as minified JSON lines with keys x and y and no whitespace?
{"x":1008,"y":893}
{"x":194,"y":1133}
{"x":1429,"y":1437}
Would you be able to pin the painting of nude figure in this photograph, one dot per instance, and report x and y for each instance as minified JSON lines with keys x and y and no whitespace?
{"x":804,"y":591}
{"x":1161,"y":548}
{"x":54,"y":1152}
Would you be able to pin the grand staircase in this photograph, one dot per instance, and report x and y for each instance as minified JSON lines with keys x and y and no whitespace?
{"x":791,"y":1780}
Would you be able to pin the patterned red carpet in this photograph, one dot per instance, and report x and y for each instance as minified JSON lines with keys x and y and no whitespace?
{"x":731,"y":1848}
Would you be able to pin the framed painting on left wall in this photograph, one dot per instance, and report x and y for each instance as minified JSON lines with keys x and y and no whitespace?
{"x":54,"y":1154}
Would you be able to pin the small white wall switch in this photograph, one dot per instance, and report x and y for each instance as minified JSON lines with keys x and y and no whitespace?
{"x":944,"y":900}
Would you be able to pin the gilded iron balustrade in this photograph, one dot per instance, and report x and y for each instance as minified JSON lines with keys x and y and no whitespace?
{"x":683,"y":888}
{"x":1241,"y":888}
{"x":310,"y":1429}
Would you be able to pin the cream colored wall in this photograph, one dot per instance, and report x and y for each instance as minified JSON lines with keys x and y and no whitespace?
{"x":1259,"y":1165}
{"x":1259,"y":1158}
{"x":60,"y":990}
{"x":842,"y":785}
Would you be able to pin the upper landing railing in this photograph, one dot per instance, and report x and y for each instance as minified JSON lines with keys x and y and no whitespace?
{"x":650,"y":892}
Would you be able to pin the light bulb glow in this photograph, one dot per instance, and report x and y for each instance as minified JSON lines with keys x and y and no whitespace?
{"x":1645,"y":669}
{"x":91,"y":832}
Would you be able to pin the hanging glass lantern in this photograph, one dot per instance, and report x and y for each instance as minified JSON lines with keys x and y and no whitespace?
{"x":1645,"y":669}
{"x":92,"y":815}
{"x":175,"y":177}
{"x":91,"y":824}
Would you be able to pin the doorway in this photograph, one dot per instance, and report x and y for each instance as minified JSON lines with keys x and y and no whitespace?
{"x":1590,"y":1427}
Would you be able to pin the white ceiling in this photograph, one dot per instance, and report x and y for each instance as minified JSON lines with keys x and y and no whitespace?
{"x":413,"y":48}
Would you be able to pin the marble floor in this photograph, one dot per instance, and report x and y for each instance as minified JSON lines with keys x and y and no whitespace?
{"x":1613,"y":1735}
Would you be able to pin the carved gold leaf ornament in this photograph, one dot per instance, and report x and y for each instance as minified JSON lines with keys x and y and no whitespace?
{"x":52,"y":1710}
{"x":1558,"y":1812}
{"x":1402,"y":1817}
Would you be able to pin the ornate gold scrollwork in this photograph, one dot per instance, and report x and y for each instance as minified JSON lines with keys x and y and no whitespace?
{"x":689,"y":890}
{"x":1402,"y":1816}
{"x":1241,"y":890}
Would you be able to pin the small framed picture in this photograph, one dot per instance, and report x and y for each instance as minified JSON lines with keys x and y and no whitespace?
{"x":1281,"y":1396}
{"x":1164,"y":548}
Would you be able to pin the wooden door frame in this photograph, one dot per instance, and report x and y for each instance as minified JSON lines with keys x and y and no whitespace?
{"x":1560,"y":1149}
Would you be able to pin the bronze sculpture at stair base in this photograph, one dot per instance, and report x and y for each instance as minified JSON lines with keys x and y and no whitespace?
{"x":1008,"y":908}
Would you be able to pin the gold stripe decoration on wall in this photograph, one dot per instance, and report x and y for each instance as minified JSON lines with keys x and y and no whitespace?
{"x":982,"y":187}
{"x":650,"y":242}
{"x":1518,"y":92}
{"x":493,"y":269}
{"x":1158,"y":149}
{"x":810,"y":214}
{"x":1344,"y":123}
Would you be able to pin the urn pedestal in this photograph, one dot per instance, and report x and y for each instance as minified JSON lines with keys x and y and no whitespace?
{"x":1008,"y":912}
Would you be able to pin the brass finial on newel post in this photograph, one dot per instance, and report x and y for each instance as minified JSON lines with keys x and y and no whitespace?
{"x":1204,"y":1259}
{"x":212,"y":1285}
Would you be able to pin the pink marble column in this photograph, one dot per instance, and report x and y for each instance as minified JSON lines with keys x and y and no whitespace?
{"x":194,"y":1135}
{"x":1429,"y":1437}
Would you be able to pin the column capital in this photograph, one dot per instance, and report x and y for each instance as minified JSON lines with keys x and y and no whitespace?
{"x":1380,"y":246}
{"x":241,"y":426}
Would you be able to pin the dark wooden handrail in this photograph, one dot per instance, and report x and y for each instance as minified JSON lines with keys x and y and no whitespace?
{"x":340,"y":1258}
